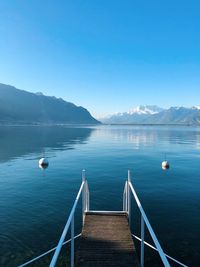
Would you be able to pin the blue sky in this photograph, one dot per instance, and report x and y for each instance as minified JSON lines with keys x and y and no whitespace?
{"x":106,"y":55}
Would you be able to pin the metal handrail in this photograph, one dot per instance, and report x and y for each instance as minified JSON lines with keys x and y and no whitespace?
{"x":169,"y":257}
{"x":85,"y":200}
{"x":128,"y":190}
{"x":144,"y":221}
{"x":84,"y":189}
{"x":46,"y":253}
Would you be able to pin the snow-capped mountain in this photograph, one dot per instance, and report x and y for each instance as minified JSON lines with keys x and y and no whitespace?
{"x":145,"y":110}
{"x":156,"y":115}
{"x":196,"y":107}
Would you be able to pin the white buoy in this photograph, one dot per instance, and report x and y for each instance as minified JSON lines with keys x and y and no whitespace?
{"x":43,"y":163}
{"x":165,"y":165}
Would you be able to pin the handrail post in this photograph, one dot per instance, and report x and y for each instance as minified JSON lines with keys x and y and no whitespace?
{"x":126,"y":205}
{"x":129,"y":197}
{"x":87,"y":197}
{"x":83,"y":196}
{"x":124,"y":198}
{"x":142,"y":243}
{"x":72,"y":242}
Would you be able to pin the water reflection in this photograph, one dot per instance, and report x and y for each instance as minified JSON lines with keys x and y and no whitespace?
{"x":150,"y":135}
{"x":18,"y":141}
{"x":138,"y":136}
{"x":198,"y":141}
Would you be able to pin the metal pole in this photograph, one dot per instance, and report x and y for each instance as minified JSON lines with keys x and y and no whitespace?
{"x":124,"y":200}
{"x":72,"y":242}
{"x":87,"y":197}
{"x":88,"y":200}
{"x":142,"y":243}
{"x":129,"y":197}
{"x":126,"y":197}
{"x":83,"y":196}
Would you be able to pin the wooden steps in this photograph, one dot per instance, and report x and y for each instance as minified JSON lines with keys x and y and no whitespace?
{"x":106,"y":241}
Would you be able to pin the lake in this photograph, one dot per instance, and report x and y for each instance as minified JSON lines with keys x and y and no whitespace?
{"x":35,"y":204}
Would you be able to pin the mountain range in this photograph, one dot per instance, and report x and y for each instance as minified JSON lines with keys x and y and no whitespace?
{"x":19,"y":106}
{"x":22,"y":107}
{"x":156,"y":115}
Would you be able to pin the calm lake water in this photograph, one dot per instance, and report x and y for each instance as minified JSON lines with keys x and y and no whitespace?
{"x":35,"y":204}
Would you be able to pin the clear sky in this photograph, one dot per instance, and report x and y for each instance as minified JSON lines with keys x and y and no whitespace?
{"x":105,"y":55}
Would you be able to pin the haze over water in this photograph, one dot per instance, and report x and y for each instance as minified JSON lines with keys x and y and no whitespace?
{"x":35,"y":204}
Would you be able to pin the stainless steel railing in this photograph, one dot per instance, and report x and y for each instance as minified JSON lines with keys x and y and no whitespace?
{"x":27,"y":263}
{"x":128,"y":192}
{"x":84,"y":190}
{"x":85,"y":200}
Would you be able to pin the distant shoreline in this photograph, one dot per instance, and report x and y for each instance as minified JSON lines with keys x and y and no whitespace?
{"x":98,"y":124}
{"x":48,"y":124}
{"x":150,"y":124}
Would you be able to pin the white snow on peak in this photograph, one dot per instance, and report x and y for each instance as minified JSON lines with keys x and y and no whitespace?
{"x":196,"y":107}
{"x":149,"y":110}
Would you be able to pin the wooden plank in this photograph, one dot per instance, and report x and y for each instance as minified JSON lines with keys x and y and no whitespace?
{"x":106,"y":241}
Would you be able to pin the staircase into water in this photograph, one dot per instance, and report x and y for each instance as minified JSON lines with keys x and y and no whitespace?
{"x":106,"y":239}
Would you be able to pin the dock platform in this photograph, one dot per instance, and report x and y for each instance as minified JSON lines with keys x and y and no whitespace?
{"x":106,"y":241}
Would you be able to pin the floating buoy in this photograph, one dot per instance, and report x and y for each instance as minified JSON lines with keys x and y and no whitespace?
{"x":43,"y":163}
{"x":165,"y":165}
